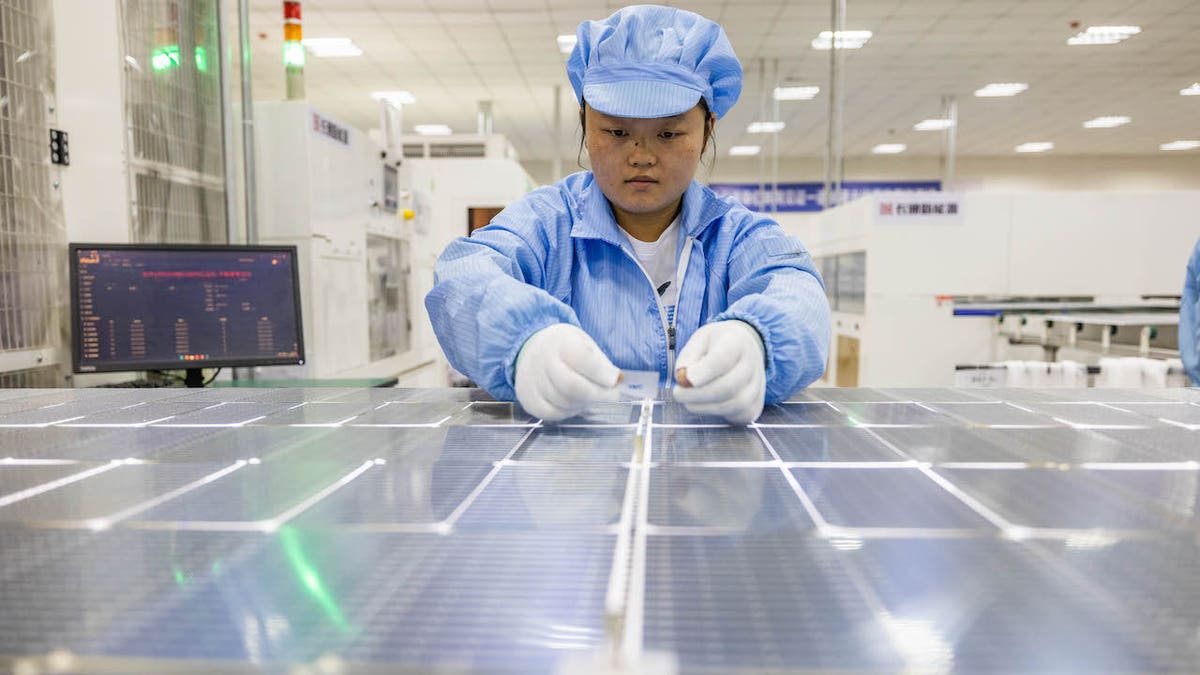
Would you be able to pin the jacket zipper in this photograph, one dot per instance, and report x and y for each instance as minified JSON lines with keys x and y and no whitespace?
{"x":668,"y":327}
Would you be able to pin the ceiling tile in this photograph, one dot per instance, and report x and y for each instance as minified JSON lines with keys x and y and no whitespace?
{"x":452,"y":52}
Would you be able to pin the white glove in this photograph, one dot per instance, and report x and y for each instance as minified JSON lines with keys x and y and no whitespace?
{"x":722,"y":371}
{"x":560,"y":370}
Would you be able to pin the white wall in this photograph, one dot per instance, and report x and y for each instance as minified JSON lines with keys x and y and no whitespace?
{"x":1013,"y":173}
{"x":1024,"y":173}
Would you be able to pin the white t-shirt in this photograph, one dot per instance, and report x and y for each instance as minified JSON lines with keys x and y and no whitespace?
{"x":658,"y":259}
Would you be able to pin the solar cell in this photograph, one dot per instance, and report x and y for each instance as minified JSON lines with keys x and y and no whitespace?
{"x":346,"y":530}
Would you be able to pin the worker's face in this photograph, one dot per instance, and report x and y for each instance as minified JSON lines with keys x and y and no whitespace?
{"x":644,"y":165}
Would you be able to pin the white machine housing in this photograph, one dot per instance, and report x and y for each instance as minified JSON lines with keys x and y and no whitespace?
{"x":444,"y":190}
{"x":1114,"y":247}
{"x":324,"y":194}
{"x":320,"y":187}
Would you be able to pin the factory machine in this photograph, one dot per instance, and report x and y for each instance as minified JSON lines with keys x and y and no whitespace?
{"x":923,"y":283}
{"x":455,"y":184}
{"x":142,"y":112}
{"x":369,"y":217}
{"x":335,"y":194}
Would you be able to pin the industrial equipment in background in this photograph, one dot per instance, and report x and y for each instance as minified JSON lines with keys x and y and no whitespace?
{"x":331,"y":191}
{"x":369,"y":221}
{"x":921,"y":283}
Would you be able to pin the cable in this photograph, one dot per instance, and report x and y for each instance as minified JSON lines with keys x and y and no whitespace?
{"x":167,"y":375}
{"x":173,"y":376}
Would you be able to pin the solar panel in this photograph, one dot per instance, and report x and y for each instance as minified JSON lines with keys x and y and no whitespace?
{"x":343,"y":530}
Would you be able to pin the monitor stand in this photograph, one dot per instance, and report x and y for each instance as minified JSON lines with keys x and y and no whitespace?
{"x":194,"y":378}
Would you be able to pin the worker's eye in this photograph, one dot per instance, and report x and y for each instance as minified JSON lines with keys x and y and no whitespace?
{"x":617,"y":133}
{"x":668,"y":135}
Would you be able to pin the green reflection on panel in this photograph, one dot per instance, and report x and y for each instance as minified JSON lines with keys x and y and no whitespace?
{"x":310,"y":577}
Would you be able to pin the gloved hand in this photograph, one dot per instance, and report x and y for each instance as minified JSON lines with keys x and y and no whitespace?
{"x":560,"y":370}
{"x":722,"y":371}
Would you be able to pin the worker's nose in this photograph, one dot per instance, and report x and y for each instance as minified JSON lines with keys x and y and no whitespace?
{"x":640,"y":155}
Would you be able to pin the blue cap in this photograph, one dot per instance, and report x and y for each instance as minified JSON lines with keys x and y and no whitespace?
{"x":651,"y":61}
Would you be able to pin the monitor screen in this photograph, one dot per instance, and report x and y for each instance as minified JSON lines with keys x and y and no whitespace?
{"x":171,"y":306}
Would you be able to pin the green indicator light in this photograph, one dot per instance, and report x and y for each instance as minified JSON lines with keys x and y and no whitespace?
{"x":293,"y":53}
{"x":164,"y":58}
{"x":202,"y":59}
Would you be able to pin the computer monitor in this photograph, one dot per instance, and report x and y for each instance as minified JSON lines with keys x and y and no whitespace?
{"x":175,"y":306}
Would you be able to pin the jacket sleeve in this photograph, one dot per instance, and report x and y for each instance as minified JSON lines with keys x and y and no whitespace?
{"x":774,"y":286}
{"x":1189,"y":319}
{"x":488,"y":297}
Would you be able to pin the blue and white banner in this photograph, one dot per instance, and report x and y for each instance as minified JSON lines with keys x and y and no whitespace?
{"x":810,"y":196}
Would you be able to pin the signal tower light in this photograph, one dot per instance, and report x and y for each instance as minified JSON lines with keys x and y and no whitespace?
{"x":293,"y":33}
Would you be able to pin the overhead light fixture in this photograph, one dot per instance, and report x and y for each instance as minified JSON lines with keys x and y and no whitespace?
{"x":889,"y":148}
{"x":566,"y":43}
{"x":1180,"y":145}
{"x":1193,"y":90}
{"x":765,"y":127}
{"x":745,"y":150}
{"x":935,"y":124}
{"x":801,"y":93}
{"x":433,"y":130}
{"x":398,"y":97}
{"x":1103,"y":35}
{"x":1034,"y":147}
{"x":1001,"y":89}
{"x":842,"y":39}
{"x":1106,"y":122}
{"x":331,"y":47}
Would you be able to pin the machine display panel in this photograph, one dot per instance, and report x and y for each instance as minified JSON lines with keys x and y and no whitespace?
{"x":158,"y":307}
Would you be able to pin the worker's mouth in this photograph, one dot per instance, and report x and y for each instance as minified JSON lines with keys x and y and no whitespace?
{"x":641,"y":181}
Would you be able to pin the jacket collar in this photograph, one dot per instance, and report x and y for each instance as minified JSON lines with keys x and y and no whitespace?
{"x":595,"y":220}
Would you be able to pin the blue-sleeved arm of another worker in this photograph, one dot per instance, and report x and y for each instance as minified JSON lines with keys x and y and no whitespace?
{"x":774,"y":286}
{"x":488,"y":296}
{"x":1189,"y":319}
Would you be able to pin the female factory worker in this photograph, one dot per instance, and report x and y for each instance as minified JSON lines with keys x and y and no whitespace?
{"x":1189,"y":319}
{"x":613,"y":268}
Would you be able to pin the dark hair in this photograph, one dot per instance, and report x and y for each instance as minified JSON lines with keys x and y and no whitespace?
{"x":710,"y":132}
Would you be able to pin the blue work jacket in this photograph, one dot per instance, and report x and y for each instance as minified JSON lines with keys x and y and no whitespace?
{"x":1189,"y":318}
{"x":557,"y":255}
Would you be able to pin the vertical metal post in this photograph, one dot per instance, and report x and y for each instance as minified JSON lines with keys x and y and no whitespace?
{"x":833,"y":140}
{"x":949,"y":140}
{"x":556,"y":164}
{"x":295,"y":83}
{"x":232,"y":232}
{"x":483,"y":123}
{"x":762,"y":115}
{"x":249,"y":186}
{"x":775,"y":141}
